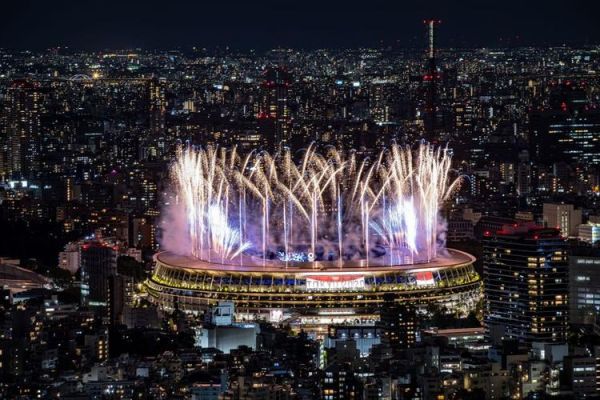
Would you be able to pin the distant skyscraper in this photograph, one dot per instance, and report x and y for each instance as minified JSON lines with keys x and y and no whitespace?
{"x":274,"y":109}
{"x":22,"y":115}
{"x":567,"y":130}
{"x":524,"y":174}
{"x":157,"y":110}
{"x":570,"y":138}
{"x":430,"y":82}
{"x":525,"y":281}
{"x":463,"y":116}
{"x":379,"y":96}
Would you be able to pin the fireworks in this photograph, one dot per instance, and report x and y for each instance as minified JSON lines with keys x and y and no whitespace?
{"x":329,"y":206}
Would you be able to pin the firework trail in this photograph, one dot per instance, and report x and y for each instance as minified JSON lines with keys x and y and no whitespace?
{"x":324,"y":207}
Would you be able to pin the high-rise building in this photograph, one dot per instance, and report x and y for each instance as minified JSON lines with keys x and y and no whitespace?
{"x":274,"y":109}
{"x":584,"y":286}
{"x":463,"y":116}
{"x":158,"y":110}
{"x":120,"y":296}
{"x":98,"y":264}
{"x":398,"y":321}
{"x":525,"y":284}
{"x":524,"y":174}
{"x":22,"y":108}
{"x":431,"y":82}
{"x":565,"y":136}
{"x":379,"y":97}
{"x":563,"y":217}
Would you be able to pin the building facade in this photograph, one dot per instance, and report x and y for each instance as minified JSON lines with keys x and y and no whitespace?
{"x":526,"y":284}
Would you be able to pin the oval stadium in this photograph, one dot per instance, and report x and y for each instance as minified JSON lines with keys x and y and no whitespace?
{"x":258,"y":288}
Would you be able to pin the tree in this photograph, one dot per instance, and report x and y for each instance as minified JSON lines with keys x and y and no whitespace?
{"x":128,"y":266}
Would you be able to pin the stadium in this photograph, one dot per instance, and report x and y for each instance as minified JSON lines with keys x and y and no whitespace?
{"x":193,"y":285}
{"x":327,"y":235}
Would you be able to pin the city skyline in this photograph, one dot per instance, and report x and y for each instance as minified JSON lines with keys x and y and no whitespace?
{"x":381,"y":219}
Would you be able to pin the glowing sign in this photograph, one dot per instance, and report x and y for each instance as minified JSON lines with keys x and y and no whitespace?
{"x":424,"y":278}
{"x":335,"y":282}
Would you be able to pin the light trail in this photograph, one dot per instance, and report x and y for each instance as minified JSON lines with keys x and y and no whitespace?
{"x":324,"y":207}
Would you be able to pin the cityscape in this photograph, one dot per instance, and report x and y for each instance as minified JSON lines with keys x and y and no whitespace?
{"x":410,"y":216}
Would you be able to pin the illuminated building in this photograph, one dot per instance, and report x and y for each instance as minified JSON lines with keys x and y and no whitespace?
{"x":566,"y":136}
{"x":340,"y":382}
{"x":311,"y":245}
{"x":120,"y":295}
{"x":378,"y":101}
{"x":274,"y":110}
{"x":525,"y":284}
{"x":149,"y":189}
{"x":357,"y":288}
{"x":157,"y":110}
{"x":431,"y":83}
{"x":584,"y":286}
{"x":365,"y":337}
{"x":581,"y":372}
{"x":98,"y":264}
{"x":97,"y":345}
{"x":563,"y":217}
{"x":399,"y":323}
{"x":463,"y":116}
{"x":589,"y":233}
{"x":227,"y":338}
{"x":142,"y":233}
{"x":222,"y":333}
{"x":68,"y":259}
{"x":23,"y":109}
{"x":523,"y":178}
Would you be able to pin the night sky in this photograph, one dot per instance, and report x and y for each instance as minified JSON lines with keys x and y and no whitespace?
{"x":263,"y":24}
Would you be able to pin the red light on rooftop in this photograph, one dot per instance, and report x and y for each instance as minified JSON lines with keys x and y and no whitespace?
{"x":487,"y":233}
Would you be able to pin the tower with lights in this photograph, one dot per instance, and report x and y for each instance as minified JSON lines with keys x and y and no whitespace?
{"x":430,"y":82}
